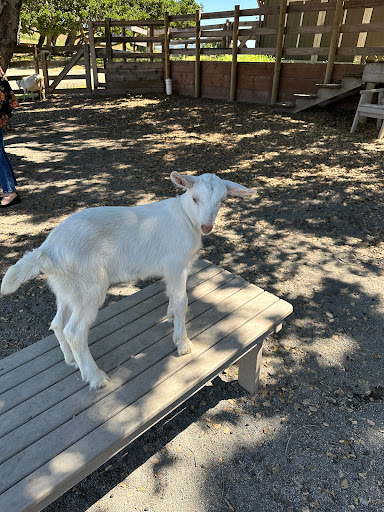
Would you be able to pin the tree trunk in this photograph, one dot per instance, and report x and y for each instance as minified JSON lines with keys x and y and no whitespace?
{"x":9,"y":25}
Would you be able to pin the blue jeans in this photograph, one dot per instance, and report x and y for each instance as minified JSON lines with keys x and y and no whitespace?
{"x":7,"y":176}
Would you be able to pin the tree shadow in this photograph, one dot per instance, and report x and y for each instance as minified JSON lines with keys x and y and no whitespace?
{"x":313,"y":236}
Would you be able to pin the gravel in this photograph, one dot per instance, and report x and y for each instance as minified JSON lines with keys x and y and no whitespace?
{"x":311,"y":438}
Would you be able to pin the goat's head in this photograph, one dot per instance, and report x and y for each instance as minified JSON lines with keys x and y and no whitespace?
{"x":19,"y":84}
{"x":204,"y":196}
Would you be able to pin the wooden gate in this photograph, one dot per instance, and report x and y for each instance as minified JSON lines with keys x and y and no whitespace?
{"x":133,"y":56}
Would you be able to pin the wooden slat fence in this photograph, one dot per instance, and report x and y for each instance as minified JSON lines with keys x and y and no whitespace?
{"x":161,"y":40}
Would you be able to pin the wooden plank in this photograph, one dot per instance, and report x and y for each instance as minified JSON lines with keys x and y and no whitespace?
{"x":167,"y":63}
{"x":58,"y":408}
{"x":368,"y":50}
{"x":235,"y":38}
{"x":135,"y":75}
{"x":142,"y":39}
{"x":334,"y":40}
{"x":64,"y":72}
{"x":352,"y":4}
{"x":93,"y":54}
{"x":108,"y":37}
{"x":374,"y":72}
{"x":279,"y":51}
{"x":136,"y":85}
{"x":257,"y":51}
{"x":197,"y":54}
{"x":39,"y":348}
{"x":132,"y":380}
{"x":140,"y":23}
{"x":311,"y":6}
{"x":136,"y":55}
{"x":149,"y":66}
{"x":70,"y":466}
{"x":87,"y":66}
{"x":44,"y":67}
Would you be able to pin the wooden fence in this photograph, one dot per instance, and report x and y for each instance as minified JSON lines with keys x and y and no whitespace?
{"x":48,"y":61}
{"x":160,"y":40}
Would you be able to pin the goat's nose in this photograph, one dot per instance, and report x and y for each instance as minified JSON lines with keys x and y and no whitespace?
{"x":206,"y":228}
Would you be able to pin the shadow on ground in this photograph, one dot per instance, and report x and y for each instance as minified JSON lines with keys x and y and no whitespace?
{"x":311,"y":438}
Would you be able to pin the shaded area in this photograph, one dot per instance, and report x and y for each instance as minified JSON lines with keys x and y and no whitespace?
{"x":313,"y":236}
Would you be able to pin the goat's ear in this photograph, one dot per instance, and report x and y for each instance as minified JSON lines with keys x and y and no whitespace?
{"x":234,"y":189}
{"x":183,"y":180}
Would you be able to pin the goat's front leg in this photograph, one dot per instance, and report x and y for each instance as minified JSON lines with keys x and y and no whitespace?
{"x":178,"y":302}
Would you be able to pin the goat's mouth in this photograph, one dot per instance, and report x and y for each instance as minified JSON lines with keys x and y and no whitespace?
{"x":206,"y":229}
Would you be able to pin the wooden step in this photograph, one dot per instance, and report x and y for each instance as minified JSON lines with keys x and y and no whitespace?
{"x":328,"y":93}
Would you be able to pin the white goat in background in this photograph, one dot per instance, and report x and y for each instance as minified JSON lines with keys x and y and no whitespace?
{"x":33,"y":83}
{"x":97,"y":247}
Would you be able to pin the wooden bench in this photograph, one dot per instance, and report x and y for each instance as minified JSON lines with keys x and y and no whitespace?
{"x":54,"y":431}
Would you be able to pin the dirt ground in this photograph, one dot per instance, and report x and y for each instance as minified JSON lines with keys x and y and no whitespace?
{"x":311,"y":438}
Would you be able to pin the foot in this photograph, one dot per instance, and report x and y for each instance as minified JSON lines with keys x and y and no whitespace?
{"x":99,"y":380}
{"x":8,"y":198}
{"x":184,"y":346}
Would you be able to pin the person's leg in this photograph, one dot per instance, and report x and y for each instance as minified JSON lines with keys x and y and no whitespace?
{"x":7,"y":176}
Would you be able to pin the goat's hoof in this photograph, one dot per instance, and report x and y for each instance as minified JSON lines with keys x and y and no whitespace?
{"x":184,"y":346}
{"x":99,"y":381}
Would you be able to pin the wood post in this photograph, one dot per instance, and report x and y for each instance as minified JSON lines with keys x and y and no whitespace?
{"x":93,"y":55}
{"x":167,"y":63}
{"x":124,"y":33}
{"x":151,"y":44}
{"x":334,"y":40}
{"x":235,"y":37}
{"x":44,"y":67}
{"x":197,"y":55}
{"x":249,"y":368}
{"x":279,"y":51}
{"x":36,"y":59}
{"x":87,"y":66}
{"x":108,"y":41}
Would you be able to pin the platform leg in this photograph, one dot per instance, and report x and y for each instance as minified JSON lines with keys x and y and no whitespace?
{"x":249,"y":368}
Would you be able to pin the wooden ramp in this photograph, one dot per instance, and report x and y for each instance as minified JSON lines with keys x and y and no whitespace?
{"x":54,"y":431}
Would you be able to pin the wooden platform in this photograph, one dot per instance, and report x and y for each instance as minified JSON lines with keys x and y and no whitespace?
{"x":54,"y":431}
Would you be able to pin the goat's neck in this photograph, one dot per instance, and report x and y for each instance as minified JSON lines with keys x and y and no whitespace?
{"x":186,"y":205}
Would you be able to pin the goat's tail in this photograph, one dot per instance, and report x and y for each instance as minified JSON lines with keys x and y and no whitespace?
{"x":25,"y":269}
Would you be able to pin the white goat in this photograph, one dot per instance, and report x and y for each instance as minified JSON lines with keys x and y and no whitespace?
{"x":33,"y":83}
{"x":97,"y":247}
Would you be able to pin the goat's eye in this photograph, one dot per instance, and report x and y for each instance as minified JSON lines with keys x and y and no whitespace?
{"x":195,"y":200}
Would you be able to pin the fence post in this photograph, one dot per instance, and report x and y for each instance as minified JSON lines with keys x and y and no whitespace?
{"x":151,"y":44}
{"x":92,"y":49}
{"x":167,"y":63}
{"x":36,"y":59}
{"x":235,"y":37}
{"x":44,"y":67}
{"x":124,"y":33}
{"x":87,"y":66}
{"x":334,"y":40}
{"x":108,"y":41}
{"x":197,"y":55}
{"x":279,"y":51}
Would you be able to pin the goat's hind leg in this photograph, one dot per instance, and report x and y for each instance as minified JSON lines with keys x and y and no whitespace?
{"x":57,"y":325}
{"x":84,"y":312}
{"x":178,"y":302}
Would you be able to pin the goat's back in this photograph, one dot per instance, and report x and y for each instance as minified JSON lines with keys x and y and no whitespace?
{"x":126,"y":242}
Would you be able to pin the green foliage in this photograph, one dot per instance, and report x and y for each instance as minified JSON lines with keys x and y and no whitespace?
{"x":55,"y":17}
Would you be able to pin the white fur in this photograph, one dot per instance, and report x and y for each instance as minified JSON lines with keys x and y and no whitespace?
{"x":33,"y":83}
{"x":97,"y":247}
